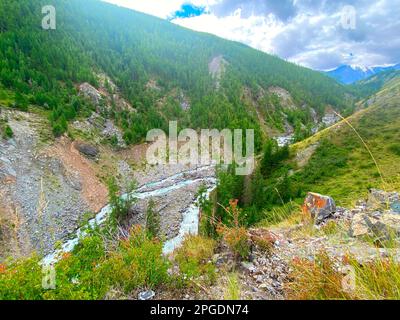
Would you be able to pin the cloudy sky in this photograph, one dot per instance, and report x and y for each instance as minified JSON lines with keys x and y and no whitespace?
{"x":320,"y":34}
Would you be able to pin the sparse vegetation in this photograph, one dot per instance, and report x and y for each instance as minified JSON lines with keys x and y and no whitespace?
{"x":194,"y":258}
{"x":235,"y":235}
{"x":322,"y":280}
{"x":232,"y":291}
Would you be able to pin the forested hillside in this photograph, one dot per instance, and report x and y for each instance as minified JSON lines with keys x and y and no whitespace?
{"x":343,"y":161}
{"x":43,"y":68}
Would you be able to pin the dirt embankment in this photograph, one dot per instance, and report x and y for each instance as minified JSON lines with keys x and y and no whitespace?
{"x":46,"y":186}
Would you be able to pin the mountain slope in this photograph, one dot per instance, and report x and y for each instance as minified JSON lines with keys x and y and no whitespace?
{"x":350,"y":178}
{"x":135,"y":51}
{"x":375,"y":83}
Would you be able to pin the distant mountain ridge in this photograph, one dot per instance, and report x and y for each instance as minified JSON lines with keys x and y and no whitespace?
{"x":348,"y":74}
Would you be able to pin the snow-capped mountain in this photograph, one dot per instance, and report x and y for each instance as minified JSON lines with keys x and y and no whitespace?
{"x":348,"y":74}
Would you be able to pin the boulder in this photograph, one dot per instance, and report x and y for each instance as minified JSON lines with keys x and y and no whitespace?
{"x":320,"y":207}
{"x":383,"y":226}
{"x":87,"y":150}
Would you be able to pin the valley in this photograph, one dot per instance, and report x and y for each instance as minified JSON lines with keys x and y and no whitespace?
{"x":80,"y":197}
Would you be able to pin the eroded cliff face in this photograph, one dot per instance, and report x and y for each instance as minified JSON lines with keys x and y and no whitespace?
{"x":46,"y":186}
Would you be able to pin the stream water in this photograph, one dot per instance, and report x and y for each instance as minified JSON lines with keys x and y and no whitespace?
{"x":189,"y":224}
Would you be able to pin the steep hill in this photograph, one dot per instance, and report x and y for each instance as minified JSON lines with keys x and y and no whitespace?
{"x":164,"y":71}
{"x":336,"y":161}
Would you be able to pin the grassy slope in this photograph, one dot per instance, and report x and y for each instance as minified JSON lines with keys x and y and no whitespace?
{"x":379,"y":126}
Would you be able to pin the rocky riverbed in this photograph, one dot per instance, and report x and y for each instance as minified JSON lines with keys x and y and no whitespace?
{"x":49,"y":187}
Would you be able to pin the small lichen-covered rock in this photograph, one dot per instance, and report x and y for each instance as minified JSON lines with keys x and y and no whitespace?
{"x":320,"y":207}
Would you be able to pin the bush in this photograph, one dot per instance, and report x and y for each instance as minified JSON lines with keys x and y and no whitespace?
{"x":89,"y":272}
{"x":21,"y":280}
{"x":137,"y":263}
{"x":152,"y":220}
{"x":120,"y":205}
{"x":8,"y":133}
{"x":235,"y":236}
{"x":194,"y":255}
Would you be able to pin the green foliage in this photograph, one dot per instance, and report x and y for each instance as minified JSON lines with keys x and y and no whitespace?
{"x":395,"y":148}
{"x":120,"y":204}
{"x":232,"y":291}
{"x":90,"y":271}
{"x":152,"y":220}
{"x":229,"y":186}
{"x":273,"y":156}
{"x":21,"y":280}
{"x":138,"y":262}
{"x":44,"y":67}
{"x":8,"y":133}
{"x":194,"y":258}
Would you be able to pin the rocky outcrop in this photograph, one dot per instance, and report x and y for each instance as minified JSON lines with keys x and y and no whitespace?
{"x":378,"y":217}
{"x":216,"y":68}
{"x":319,"y":207}
{"x":330,"y":118}
{"x":90,"y":92}
{"x":40,"y":194}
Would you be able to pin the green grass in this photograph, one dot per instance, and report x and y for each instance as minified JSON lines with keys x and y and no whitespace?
{"x":320,"y":279}
{"x":232,"y":290}
{"x":343,"y":168}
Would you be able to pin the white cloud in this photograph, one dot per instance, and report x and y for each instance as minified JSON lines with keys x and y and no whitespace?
{"x":256,"y":31}
{"x":307,"y":32}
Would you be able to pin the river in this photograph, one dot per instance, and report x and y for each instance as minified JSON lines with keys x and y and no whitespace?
{"x":190,"y":217}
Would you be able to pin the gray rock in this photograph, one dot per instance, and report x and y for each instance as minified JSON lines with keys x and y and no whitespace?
{"x":146,"y":295}
{"x":379,"y":199}
{"x":90,"y":92}
{"x":319,"y":206}
{"x":87,"y":150}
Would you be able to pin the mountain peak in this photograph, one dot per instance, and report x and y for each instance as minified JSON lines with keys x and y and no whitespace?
{"x":349,"y":74}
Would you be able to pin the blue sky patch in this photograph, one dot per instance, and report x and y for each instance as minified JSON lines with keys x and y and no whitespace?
{"x":188,"y":11}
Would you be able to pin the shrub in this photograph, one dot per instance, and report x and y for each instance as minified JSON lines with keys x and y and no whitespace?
{"x":21,"y":279}
{"x":235,"y":236}
{"x":89,"y":272}
{"x":194,"y":255}
{"x":120,"y":205}
{"x":78,"y":274}
{"x":138,"y":262}
{"x":8,"y":133}
{"x":152,"y":220}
